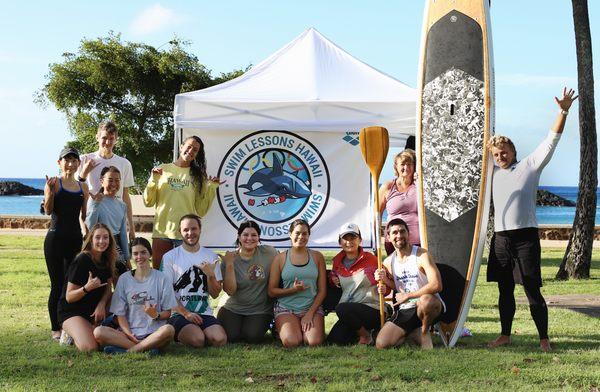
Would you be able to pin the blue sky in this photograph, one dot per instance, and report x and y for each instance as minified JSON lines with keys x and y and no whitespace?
{"x":534,"y":55}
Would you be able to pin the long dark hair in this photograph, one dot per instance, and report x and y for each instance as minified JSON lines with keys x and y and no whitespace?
{"x":198,"y":165}
{"x":109,"y":256}
{"x":249,"y":224}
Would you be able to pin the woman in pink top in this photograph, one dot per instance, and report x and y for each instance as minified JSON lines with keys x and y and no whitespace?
{"x":399,"y":197}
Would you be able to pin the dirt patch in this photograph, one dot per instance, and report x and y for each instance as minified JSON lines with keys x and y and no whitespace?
{"x":587,"y":304}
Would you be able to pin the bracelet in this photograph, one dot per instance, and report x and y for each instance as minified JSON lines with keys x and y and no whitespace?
{"x":81,"y":179}
{"x":565,"y":112}
{"x":157,"y":318}
{"x":84,"y":290}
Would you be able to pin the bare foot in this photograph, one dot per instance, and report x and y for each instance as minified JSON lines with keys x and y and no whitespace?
{"x":499,"y":341}
{"x":545,"y":345}
{"x":56,"y":335}
{"x":426,"y":343}
{"x":365,"y":340}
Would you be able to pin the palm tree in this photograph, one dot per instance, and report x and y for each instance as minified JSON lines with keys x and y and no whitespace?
{"x":577,"y":259}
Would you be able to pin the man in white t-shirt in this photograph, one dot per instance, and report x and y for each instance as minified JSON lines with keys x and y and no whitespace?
{"x":92,"y":164}
{"x":195,"y":274}
{"x":515,"y":252}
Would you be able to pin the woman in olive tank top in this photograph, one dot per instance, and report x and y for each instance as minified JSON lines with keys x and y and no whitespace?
{"x":298,"y":282}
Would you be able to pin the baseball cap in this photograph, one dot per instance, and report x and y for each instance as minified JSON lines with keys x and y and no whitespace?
{"x":348,"y":228}
{"x":68,"y":151}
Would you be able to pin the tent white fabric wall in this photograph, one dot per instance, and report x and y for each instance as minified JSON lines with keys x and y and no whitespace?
{"x":309,"y":85}
{"x":316,"y":95}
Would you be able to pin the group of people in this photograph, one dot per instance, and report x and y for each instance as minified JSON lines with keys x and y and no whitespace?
{"x":97,"y":300}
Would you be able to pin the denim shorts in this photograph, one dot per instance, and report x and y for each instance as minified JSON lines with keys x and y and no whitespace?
{"x":178,"y":322}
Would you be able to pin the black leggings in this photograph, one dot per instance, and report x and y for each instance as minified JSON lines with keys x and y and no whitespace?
{"x":507,"y":306}
{"x":351,"y":317}
{"x":250,"y":328}
{"x":59,"y":252}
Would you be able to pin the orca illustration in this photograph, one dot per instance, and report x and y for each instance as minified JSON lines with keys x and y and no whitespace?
{"x":275,"y":181}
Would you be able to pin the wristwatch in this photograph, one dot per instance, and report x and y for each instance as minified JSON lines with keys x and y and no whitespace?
{"x":565,"y":112}
{"x":157,"y":318}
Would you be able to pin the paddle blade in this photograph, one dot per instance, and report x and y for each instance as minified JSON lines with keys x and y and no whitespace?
{"x":374,"y":144}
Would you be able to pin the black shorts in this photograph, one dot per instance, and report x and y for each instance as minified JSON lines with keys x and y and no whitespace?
{"x":408,"y":320}
{"x":515,"y":255}
{"x":178,"y":322}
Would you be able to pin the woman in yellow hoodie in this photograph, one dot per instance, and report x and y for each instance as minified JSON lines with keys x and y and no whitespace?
{"x":177,"y":189}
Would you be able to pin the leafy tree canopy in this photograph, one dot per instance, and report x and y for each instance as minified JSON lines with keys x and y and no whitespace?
{"x":132,"y":84}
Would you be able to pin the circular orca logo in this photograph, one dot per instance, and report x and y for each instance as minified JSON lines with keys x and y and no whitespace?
{"x":273,"y":177}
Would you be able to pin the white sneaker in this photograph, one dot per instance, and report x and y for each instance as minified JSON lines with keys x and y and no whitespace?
{"x":65,"y":339}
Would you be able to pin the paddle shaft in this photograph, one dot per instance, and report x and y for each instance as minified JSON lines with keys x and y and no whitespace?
{"x":377,"y":231}
{"x":374,"y":145}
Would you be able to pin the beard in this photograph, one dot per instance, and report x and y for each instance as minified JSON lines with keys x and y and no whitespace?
{"x":192,"y":242}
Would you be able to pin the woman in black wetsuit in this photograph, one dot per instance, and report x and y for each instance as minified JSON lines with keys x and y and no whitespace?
{"x":65,"y":199}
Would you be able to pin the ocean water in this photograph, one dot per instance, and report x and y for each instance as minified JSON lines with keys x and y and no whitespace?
{"x":30,"y":205}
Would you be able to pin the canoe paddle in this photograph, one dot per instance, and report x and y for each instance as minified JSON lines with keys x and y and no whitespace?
{"x":374,"y":144}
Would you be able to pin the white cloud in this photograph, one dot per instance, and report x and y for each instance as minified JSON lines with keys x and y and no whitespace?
{"x":535,"y":80}
{"x":154,"y":18}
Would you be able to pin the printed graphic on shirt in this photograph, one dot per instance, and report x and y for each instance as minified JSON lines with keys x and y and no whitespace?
{"x":193,"y":285}
{"x":256,"y":272}
{"x":178,"y":184}
{"x":141,"y":298}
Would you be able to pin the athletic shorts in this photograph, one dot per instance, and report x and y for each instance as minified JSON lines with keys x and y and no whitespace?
{"x":408,"y":320}
{"x":178,"y":322}
{"x":278,"y":310}
{"x":515,"y":255}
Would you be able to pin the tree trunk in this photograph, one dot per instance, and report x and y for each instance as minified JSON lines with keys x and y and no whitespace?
{"x":577,"y":260}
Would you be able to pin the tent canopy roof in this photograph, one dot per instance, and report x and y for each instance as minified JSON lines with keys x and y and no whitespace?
{"x":308,"y":85}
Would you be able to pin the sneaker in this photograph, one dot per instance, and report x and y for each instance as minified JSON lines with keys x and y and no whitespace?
{"x":114,"y":350}
{"x":65,"y":339}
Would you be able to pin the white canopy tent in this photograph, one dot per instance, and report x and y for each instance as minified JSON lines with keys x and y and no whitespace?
{"x":309,"y":85}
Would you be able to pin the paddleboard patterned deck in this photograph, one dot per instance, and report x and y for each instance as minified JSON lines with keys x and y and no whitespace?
{"x":453,"y":114}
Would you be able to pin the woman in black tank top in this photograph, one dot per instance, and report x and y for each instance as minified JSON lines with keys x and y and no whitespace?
{"x":65,"y":200}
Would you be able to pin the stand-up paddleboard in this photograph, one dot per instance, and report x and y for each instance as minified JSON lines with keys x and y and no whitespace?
{"x":454,"y":123}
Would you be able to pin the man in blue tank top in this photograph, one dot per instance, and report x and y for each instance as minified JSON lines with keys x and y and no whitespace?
{"x":417,"y":281}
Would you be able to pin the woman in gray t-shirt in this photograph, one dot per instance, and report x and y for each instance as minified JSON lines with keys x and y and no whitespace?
{"x":248,"y":311}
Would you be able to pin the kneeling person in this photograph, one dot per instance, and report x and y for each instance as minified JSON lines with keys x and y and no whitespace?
{"x":142,"y":303}
{"x":195,"y":274}
{"x":417,"y":282}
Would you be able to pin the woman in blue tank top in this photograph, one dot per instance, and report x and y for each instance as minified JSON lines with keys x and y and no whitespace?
{"x":65,"y":199}
{"x":298,"y":282}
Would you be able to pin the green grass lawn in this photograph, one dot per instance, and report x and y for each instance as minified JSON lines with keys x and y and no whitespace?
{"x":29,"y":360}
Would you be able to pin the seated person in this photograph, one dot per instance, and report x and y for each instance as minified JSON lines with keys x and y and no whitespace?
{"x":86,"y":294}
{"x":298,"y":280}
{"x":353,"y":271}
{"x":195,"y":274}
{"x":248,"y":311}
{"x":142,"y":304}
{"x":417,"y":282}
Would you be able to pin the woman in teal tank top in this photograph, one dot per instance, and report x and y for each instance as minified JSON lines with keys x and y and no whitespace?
{"x":298,"y":282}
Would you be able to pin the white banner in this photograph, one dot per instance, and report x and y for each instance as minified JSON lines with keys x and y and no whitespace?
{"x":275,"y":177}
